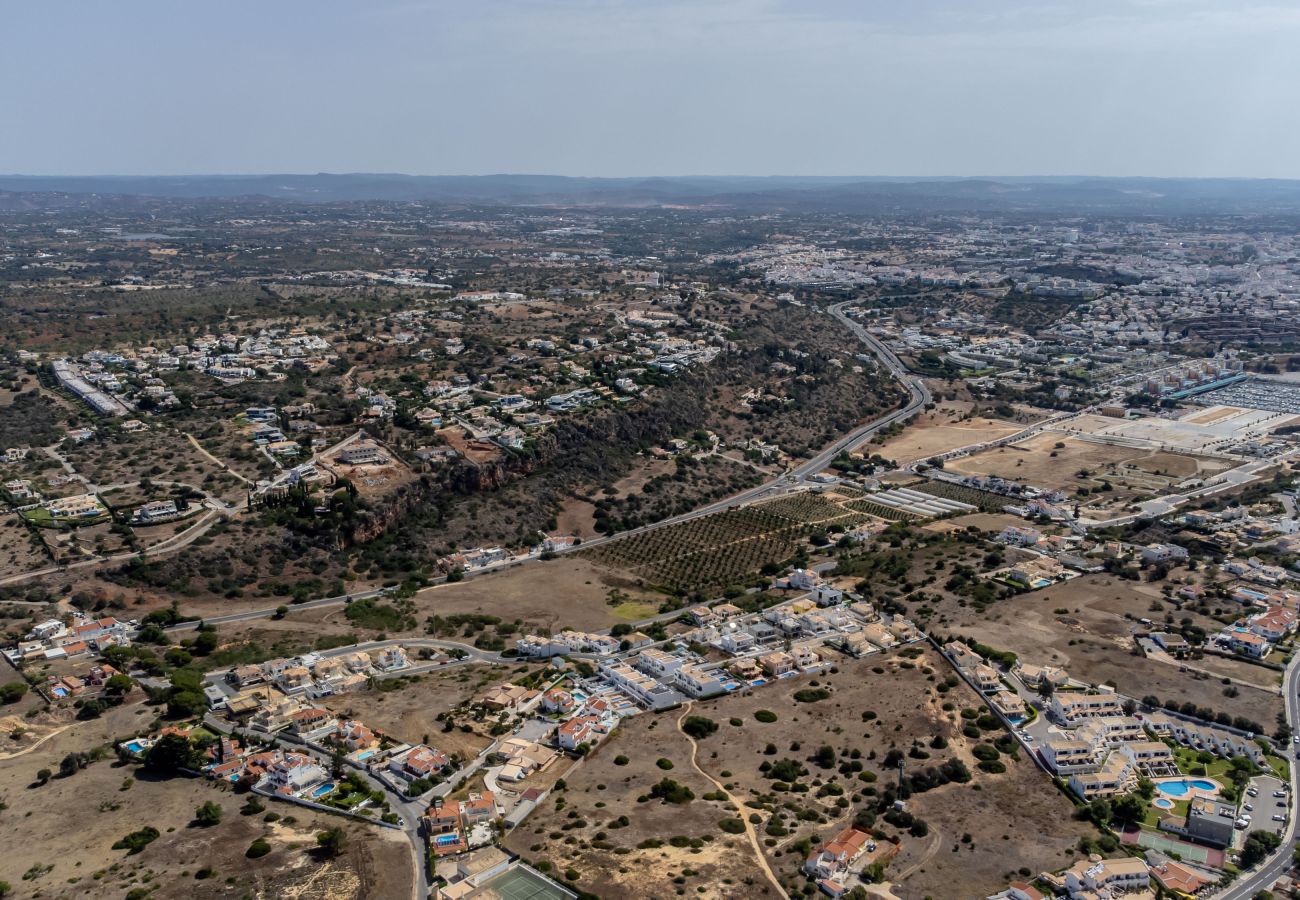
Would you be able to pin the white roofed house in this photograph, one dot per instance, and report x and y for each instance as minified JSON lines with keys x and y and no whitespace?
{"x":737,"y":641}
{"x":986,"y":677}
{"x":1093,"y":878}
{"x":1034,"y":676}
{"x":701,"y":682}
{"x":962,"y":657}
{"x":825,"y":595}
{"x":803,"y":580}
{"x":290,"y":773}
{"x":1071,"y":709}
{"x":390,"y":658}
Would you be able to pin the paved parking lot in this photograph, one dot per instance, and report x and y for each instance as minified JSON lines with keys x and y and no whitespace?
{"x":1265,"y":807}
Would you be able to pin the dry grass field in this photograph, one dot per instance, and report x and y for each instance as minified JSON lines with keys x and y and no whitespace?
{"x":563,"y":592}
{"x":563,"y":831}
{"x":1130,"y":472}
{"x":938,"y":432}
{"x":20,"y":549}
{"x":105,"y":801}
{"x":156,"y":452}
{"x":908,"y":709}
{"x":1092,"y":640}
{"x":410,"y":712}
{"x":874,"y":706}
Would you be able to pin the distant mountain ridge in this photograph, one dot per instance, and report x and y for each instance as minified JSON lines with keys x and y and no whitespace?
{"x":862,"y":194}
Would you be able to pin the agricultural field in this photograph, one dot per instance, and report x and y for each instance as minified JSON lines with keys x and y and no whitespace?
{"x":729,"y":546}
{"x":879,"y":510}
{"x":985,"y":500}
{"x":706,"y":552}
{"x":818,"y":509}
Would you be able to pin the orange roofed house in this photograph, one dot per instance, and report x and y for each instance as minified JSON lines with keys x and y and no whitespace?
{"x":833,"y":859}
{"x":419,"y":762}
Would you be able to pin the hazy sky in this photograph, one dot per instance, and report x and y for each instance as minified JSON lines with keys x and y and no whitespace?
{"x":652,"y":87}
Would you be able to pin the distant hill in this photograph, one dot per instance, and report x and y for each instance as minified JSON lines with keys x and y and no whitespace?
{"x":849,"y":194}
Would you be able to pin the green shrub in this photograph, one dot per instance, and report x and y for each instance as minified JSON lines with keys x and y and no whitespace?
{"x":136,"y":841}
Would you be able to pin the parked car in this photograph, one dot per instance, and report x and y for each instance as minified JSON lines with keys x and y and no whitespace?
{"x":1279,"y":818}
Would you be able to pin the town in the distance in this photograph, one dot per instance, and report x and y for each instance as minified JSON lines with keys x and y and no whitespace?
{"x":748,"y":545}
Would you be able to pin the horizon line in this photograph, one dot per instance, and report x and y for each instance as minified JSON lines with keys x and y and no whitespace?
{"x":913,"y":177}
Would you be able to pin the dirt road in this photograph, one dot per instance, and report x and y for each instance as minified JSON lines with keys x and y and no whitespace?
{"x":749,"y":828}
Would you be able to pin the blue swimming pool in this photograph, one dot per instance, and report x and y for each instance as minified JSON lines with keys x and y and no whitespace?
{"x":134,"y":746}
{"x":443,"y":840}
{"x":322,"y":790}
{"x":1163,"y":803}
{"x":1181,"y":788}
{"x":364,"y":756}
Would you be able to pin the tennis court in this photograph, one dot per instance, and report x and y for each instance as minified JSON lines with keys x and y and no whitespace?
{"x":1184,"y":849}
{"x":521,"y":883}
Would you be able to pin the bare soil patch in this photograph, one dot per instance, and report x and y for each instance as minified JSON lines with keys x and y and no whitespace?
{"x":410,"y":713}
{"x":563,"y":592}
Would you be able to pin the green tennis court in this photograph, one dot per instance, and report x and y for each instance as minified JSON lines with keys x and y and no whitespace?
{"x":1184,"y":849}
{"x":519,"y":883}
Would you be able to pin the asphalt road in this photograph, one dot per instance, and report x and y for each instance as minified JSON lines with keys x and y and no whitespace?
{"x":1262,"y":877}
